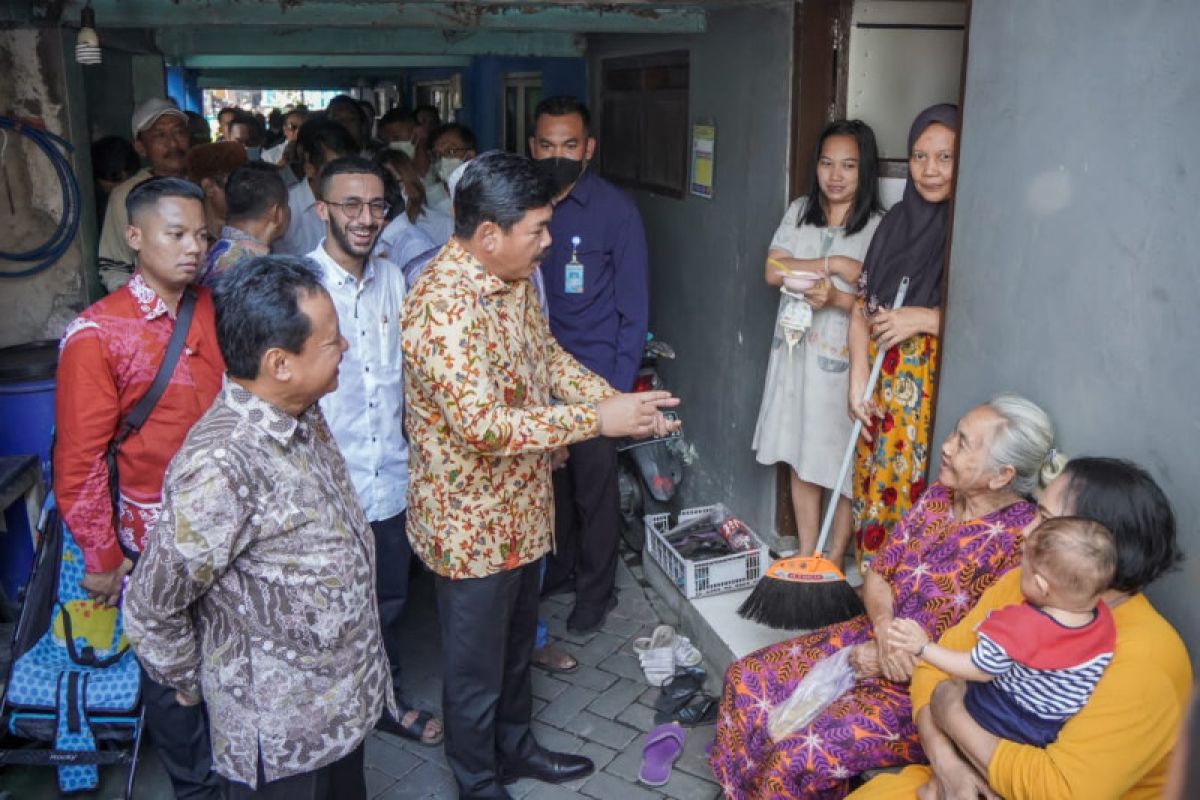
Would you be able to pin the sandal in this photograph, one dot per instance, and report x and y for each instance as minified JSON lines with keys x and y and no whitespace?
{"x":554,"y":660}
{"x":663,"y":746}
{"x":700,"y":710}
{"x":681,"y":687}
{"x":686,"y":653}
{"x":657,"y":655}
{"x":414,"y":731}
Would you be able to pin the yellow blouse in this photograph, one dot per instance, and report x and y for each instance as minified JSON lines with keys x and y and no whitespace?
{"x":481,"y":372}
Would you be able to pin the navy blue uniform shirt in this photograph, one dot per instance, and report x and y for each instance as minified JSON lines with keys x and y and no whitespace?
{"x":604,"y":326}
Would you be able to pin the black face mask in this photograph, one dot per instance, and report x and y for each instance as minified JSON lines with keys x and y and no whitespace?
{"x":561,"y":172}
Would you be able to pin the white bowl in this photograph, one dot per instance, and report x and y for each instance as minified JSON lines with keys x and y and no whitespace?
{"x":801,"y":281}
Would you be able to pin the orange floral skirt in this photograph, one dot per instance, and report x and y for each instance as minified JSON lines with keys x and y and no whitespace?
{"x":889,"y":471}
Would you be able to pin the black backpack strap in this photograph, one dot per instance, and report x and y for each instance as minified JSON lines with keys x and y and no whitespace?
{"x":137,"y":417}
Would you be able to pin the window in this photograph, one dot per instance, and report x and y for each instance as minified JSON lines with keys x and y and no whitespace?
{"x":644,"y":122}
{"x":522,"y":93}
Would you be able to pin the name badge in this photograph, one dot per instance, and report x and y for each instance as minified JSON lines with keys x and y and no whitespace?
{"x":573,"y":271}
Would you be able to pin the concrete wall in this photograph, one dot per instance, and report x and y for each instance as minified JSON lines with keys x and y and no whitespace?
{"x":709,"y":299}
{"x":41,"y":80}
{"x":1074,"y":276}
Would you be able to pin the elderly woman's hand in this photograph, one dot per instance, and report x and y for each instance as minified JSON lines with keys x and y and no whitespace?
{"x":864,"y":658}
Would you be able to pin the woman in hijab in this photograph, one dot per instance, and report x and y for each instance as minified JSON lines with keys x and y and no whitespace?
{"x":910,"y":242}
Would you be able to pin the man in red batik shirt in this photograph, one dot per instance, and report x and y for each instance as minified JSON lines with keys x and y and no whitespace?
{"x":109,"y":356}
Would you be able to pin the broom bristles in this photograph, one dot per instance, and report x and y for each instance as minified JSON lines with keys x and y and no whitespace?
{"x":791,"y":605}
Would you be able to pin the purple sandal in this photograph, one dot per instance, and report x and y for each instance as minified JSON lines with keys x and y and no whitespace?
{"x":663,"y":745}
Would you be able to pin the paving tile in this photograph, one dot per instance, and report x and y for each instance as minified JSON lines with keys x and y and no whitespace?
{"x":592,"y":678}
{"x":605,"y":786}
{"x":546,"y":686}
{"x":557,"y":740}
{"x":625,"y":627}
{"x":549,"y":791}
{"x":627,"y":763}
{"x":564,"y":707}
{"x":683,"y":786}
{"x":638,"y":716}
{"x":427,"y":780}
{"x":386,"y":754}
{"x":616,"y":698}
{"x":595,"y":728}
{"x":600,"y":755}
{"x":693,"y":759}
{"x":601,"y":646}
{"x":378,"y":781}
{"x":624,"y":664}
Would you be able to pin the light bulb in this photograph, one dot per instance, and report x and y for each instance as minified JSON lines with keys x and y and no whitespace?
{"x":87,"y":46}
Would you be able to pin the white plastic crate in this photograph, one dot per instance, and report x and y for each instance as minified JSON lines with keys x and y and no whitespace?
{"x":711,"y":576}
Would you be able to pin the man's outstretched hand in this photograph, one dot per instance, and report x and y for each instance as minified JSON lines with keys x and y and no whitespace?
{"x":637,"y":415}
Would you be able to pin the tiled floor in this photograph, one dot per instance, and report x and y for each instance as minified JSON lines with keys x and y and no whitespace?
{"x":602,"y":710}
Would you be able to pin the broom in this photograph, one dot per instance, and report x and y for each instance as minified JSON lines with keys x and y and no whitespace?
{"x":806,"y":592}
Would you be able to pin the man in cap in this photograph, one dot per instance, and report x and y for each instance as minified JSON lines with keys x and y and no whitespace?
{"x":160,"y":136}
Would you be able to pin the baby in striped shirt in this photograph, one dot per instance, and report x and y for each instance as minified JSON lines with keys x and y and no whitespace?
{"x":1035,"y":664}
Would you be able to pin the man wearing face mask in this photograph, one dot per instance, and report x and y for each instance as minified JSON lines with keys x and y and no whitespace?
{"x":398,"y":131}
{"x":453,"y":145}
{"x":598,"y":290}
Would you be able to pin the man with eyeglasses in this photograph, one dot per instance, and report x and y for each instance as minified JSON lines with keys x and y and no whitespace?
{"x":452,"y":146}
{"x":366,"y":411}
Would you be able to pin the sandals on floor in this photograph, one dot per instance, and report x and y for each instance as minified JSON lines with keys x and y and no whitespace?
{"x":414,"y":731}
{"x":700,"y":710}
{"x":657,"y":655}
{"x":663,"y":746}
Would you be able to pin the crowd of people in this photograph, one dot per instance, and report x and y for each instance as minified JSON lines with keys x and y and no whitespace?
{"x":395,"y":346}
{"x":380,"y":361}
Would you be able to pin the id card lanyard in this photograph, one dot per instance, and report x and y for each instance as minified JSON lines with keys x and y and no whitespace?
{"x":573,"y":271}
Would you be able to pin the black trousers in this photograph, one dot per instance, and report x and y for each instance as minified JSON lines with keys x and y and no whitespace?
{"x":587,"y":520}
{"x":344,"y":779}
{"x":393,"y":559}
{"x":488,"y":629}
{"x":181,"y":739}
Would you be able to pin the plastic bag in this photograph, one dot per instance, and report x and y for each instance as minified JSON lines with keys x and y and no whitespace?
{"x":828,"y":680}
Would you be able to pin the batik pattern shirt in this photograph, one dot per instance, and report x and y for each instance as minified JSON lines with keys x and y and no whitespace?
{"x":109,"y":356}
{"x":234,"y":247}
{"x":257,"y":591}
{"x":481,"y":372}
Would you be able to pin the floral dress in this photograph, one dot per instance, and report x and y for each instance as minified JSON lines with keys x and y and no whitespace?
{"x":937,"y":567}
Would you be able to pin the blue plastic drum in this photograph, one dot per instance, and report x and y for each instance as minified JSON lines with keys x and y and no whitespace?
{"x":27,"y":400}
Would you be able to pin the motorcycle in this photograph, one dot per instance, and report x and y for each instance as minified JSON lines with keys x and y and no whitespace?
{"x":649,"y":471}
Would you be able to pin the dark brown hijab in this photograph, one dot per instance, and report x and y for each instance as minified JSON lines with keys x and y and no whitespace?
{"x":911,"y":239}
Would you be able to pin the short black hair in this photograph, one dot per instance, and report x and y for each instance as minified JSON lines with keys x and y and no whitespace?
{"x":114,"y":159}
{"x":347,"y":165}
{"x":462,"y":131}
{"x":227,"y":110}
{"x":561,"y":105}
{"x":1123,"y":497}
{"x":866,"y":196}
{"x":258,"y":308}
{"x":430,"y":107}
{"x":252,"y":190}
{"x":501,"y":188}
{"x":398,"y":115}
{"x":149,"y":192}
{"x":250,"y":121}
{"x":320,"y":134}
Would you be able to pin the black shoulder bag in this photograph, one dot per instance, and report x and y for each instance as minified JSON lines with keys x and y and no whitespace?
{"x":137,"y":417}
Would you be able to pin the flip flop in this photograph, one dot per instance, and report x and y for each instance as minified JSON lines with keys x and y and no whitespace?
{"x":680,"y":688}
{"x":686,"y":654}
{"x":700,"y":710}
{"x":663,"y":746}
{"x":414,"y":731}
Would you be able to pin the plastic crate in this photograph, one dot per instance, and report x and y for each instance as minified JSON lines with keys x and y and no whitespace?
{"x":708,"y":577}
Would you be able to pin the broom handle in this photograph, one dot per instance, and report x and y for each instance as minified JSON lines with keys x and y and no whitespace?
{"x":848,"y":458}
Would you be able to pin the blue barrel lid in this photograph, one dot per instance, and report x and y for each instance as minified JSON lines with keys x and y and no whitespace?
{"x":32,"y":361}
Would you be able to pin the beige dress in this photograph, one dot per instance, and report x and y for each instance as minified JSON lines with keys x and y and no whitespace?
{"x":802,"y":421}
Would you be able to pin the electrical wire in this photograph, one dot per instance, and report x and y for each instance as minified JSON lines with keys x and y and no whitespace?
{"x":56,"y":149}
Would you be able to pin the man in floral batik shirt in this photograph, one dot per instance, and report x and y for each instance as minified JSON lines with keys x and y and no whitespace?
{"x":481,"y":372}
{"x":256,"y":592}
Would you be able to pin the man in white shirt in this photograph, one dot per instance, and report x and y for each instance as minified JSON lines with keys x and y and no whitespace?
{"x":366,"y":411}
{"x":320,"y":141}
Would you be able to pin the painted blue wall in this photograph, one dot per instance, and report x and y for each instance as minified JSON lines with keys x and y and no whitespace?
{"x":182,"y":88}
{"x":483,"y":83}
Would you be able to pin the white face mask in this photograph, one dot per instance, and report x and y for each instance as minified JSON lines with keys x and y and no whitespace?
{"x":446,"y":167}
{"x":408,"y":148}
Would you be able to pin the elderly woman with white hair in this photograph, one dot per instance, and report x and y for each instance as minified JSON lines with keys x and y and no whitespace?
{"x":960,"y":536}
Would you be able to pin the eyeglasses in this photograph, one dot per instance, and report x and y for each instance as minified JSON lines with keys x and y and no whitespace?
{"x":288,"y":126}
{"x":452,"y":152}
{"x":352,"y":208}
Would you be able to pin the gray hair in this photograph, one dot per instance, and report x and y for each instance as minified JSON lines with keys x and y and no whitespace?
{"x":1025,"y":441}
